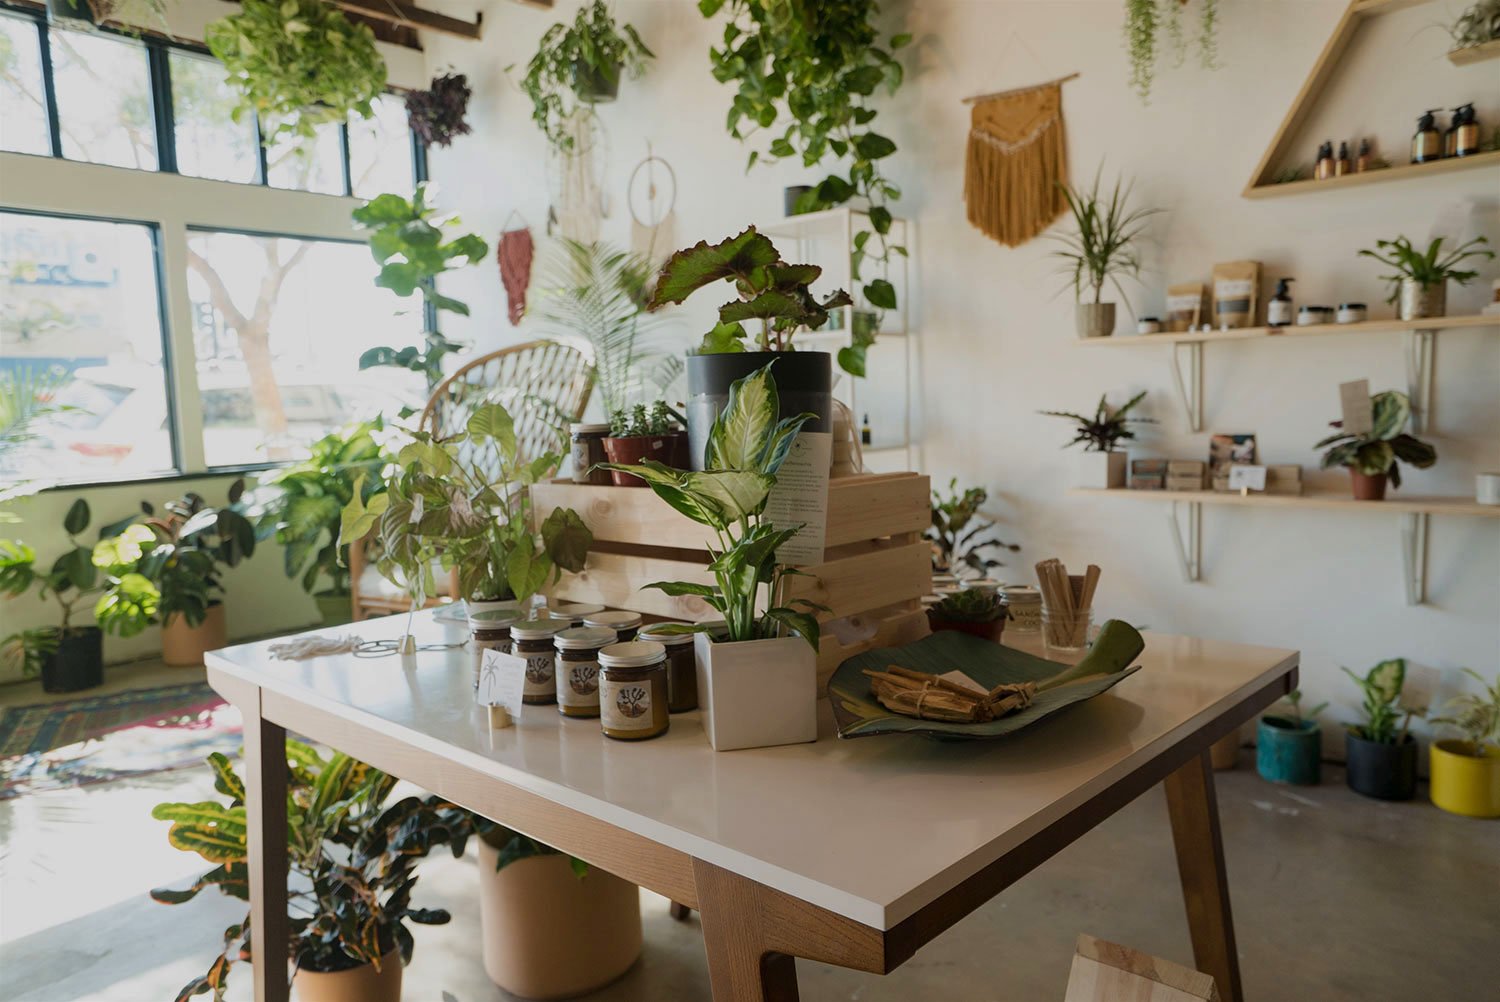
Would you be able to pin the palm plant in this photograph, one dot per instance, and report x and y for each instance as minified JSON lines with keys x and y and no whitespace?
{"x":1104,"y":246}
{"x":1105,"y":429}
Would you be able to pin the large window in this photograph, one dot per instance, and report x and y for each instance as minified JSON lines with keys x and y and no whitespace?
{"x":23,"y":96}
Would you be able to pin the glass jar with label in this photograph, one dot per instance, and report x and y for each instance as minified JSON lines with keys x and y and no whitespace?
{"x":489,"y":631}
{"x":625,"y":624}
{"x":573,"y":612}
{"x":532,"y":639}
{"x":587,"y":452}
{"x":633,"y":690}
{"x":578,"y":669}
{"x":1024,"y":603}
{"x":682,"y":665}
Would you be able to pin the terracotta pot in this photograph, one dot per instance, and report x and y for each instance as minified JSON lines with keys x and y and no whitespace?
{"x":1095,"y":319}
{"x":182,"y":646}
{"x":1367,"y":486}
{"x":548,"y":934}
{"x":984,"y":631}
{"x":636,"y":448}
{"x":357,"y":984}
{"x":1465,"y":783}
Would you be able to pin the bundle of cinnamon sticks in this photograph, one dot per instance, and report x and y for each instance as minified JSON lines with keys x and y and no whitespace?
{"x":1069,"y":598}
{"x":919,"y":694}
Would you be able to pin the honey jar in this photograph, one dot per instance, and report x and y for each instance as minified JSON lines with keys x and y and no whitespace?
{"x":489,"y":631}
{"x":633,"y":690}
{"x":625,"y":624}
{"x":532,"y":640}
{"x":577,"y":672}
{"x":682,"y":666}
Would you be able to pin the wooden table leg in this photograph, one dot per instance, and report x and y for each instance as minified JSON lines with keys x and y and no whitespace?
{"x":740,"y":967}
{"x":1194,"y":811}
{"x":265,"y":822}
{"x":680,"y":912}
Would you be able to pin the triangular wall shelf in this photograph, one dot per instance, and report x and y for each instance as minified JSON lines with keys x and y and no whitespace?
{"x":1261,"y":185}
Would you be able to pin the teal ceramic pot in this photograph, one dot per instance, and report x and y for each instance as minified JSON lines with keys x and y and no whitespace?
{"x":1289,"y":751}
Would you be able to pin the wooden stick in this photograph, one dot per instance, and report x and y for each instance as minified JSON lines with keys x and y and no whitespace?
{"x":1090,"y":585}
{"x":1016,"y":90}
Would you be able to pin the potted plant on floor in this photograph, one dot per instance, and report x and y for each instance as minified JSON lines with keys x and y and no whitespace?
{"x":1101,"y":465}
{"x":194,"y":543}
{"x":775,"y":294}
{"x":580,"y":65}
{"x":1419,"y":282}
{"x":353,"y":860}
{"x":1465,"y":772}
{"x":978,"y":613}
{"x":958,"y":533}
{"x":1289,"y":747}
{"x":757,"y":671}
{"x":1100,"y":251}
{"x":1371,"y":456}
{"x":656,"y":435}
{"x":1381,"y":753}
{"x":69,"y":656}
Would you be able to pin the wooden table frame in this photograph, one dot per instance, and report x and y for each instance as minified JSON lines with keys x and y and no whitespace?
{"x":751,"y":932}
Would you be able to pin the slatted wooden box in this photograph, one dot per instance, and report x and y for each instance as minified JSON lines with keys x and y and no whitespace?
{"x":875,"y":569}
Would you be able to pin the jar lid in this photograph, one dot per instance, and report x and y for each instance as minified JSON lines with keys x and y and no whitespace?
{"x":669,"y":639}
{"x":615,"y":619}
{"x":1352,"y":306}
{"x":493,"y":619}
{"x":587,"y":428}
{"x":1316,"y":309}
{"x":575,"y":609}
{"x":584,"y":638}
{"x":1020,"y":594}
{"x":537,"y":629}
{"x":1150,"y":320}
{"x":633,"y":654}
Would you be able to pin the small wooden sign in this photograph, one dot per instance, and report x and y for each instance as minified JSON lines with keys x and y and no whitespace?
{"x":1354,"y":401}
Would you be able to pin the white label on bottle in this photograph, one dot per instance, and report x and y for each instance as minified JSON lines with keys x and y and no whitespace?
{"x":625,"y":706}
{"x":577,"y":682}
{"x":1278,"y":312}
{"x":800,"y":497}
{"x":539,"y":674}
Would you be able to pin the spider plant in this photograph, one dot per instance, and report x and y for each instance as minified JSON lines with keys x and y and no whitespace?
{"x":1102,"y":431}
{"x":1103,"y":249}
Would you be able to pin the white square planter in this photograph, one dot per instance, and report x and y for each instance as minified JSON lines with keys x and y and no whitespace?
{"x":1099,"y":470}
{"x":757,"y":693}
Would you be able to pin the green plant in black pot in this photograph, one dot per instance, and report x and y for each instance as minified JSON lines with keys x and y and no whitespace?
{"x":973,"y":611}
{"x":1289,"y":746}
{"x":70,"y":655}
{"x":578,"y":66}
{"x":353,"y":857}
{"x":959,"y":532}
{"x":1382,"y":755}
{"x":1372,"y":456}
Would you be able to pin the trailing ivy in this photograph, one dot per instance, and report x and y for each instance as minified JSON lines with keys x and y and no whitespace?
{"x":816,"y":65}
{"x":1144,"y":22}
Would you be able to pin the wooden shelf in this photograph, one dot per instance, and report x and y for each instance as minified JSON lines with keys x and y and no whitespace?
{"x":1414,"y":505}
{"x":1475,"y":53}
{"x":1311,"y":330}
{"x":1447,"y":165}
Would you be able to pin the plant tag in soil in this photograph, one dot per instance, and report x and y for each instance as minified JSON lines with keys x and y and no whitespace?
{"x":1354,"y":401}
{"x":502,"y":680}
{"x":800,"y":497}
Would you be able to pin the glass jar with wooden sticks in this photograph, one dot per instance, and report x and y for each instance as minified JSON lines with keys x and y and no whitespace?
{"x":1067,"y":608}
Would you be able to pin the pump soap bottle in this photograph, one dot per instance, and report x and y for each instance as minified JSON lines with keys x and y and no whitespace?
{"x":1427,"y":144}
{"x":1279,"y":309}
{"x":1324,"y":169}
{"x":1465,"y":132}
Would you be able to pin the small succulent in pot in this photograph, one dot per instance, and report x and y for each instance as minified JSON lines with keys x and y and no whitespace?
{"x":643,"y":434}
{"x":979,"y":613}
{"x":1372,"y":456}
{"x":1420,"y":278}
{"x":436,"y":114}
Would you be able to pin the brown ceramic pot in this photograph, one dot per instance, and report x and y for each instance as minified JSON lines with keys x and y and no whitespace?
{"x":984,"y":631}
{"x":182,"y":646}
{"x":1367,"y":487}
{"x":636,"y":448}
{"x":357,"y":984}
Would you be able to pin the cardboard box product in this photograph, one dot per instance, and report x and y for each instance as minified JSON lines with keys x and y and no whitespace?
{"x":1185,"y":467}
{"x":1185,"y":483}
{"x":1148,"y":467}
{"x":1146,"y":482}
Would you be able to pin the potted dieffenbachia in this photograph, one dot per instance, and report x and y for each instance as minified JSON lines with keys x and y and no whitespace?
{"x":1381,"y":753}
{"x":1465,"y":771}
{"x":757,"y":670}
{"x":1289,"y":746}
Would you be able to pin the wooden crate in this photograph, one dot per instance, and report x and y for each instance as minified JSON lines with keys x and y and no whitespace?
{"x":875,"y":569}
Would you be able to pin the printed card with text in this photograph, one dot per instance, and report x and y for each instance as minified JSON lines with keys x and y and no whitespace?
{"x":1354,"y":401}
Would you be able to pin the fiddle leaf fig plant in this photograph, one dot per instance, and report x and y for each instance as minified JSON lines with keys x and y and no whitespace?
{"x":1376,"y":451}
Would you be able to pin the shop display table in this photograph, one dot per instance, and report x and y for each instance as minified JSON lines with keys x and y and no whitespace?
{"x":854,"y":853}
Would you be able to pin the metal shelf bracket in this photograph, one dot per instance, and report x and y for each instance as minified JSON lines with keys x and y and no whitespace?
{"x":1419,"y":351}
{"x":1189,"y":545}
{"x":1190,"y":388}
{"x":1414,"y":527}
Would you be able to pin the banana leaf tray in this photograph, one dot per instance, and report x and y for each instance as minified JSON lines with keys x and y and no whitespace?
{"x":859,"y":714}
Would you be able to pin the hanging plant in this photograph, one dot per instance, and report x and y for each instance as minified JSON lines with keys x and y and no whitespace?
{"x":816,"y":65}
{"x":1145,"y":20}
{"x":580,"y":65}
{"x":436,"y":114}
{"x":298,"y":64}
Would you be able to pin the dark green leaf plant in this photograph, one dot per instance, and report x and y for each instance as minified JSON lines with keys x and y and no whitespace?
{"x":1385,"y":722}
{"x":1105,"y":428}
{"x":958,"y":532}
{"x":1376,"y":451}
{"x":192,"y":544}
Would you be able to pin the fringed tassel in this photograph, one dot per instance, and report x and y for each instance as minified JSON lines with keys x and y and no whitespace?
{"x":1012,"y":192}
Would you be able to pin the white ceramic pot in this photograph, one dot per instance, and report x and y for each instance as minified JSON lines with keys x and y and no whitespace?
{"x":1487,"y":488}
{"x":474,"y":605}
{"x":757,"y":693}
{"x":1099,"y":469}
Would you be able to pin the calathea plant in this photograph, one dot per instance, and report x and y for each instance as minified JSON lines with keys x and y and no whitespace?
{"x":409,"y":242}
{"x":746,"y":448}
{"x":1106,"y":428}
{"x":1375,"y":453}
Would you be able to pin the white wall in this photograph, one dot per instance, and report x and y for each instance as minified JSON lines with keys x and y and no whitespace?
{"x":997,"y":345}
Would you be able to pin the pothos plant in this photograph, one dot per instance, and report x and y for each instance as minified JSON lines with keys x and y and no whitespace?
{"x":412,"y":243}
{"x":817,"y":65}
{"x":439,"y":505}
{"x":1375,"y":452}
{"x":298,"y":64}
{"x":958,"y":532}
{"x":1145,"y":20}
{"x":1105,"y":428}
{"x":746,"y":447}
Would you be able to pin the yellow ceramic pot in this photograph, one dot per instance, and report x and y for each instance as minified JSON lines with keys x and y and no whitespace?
{"x":1465,"y":783}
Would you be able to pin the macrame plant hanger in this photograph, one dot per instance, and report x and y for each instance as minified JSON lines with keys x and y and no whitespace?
{"x":1017,"y":160}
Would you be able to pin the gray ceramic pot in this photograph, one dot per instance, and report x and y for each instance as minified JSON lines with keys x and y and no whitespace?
{"x":1095,"y":319}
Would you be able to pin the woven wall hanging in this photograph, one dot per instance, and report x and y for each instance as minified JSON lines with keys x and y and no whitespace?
{"x":1017,"y":160}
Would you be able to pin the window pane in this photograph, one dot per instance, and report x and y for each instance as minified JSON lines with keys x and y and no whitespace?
{"x":308,"y":165}
{"x":209,"y":144}
{"x":104,"y":99}
{"x":80,"y":329}
{"x":380,"y":150}
{"x":278,"y":328}
{"x":23,"y":101}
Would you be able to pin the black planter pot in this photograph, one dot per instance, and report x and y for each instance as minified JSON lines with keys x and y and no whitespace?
{"x":804,"y":382}
{"x":595,"y":84}
{"x":74,"y":11}
{"x":78,"y":662}
{"x":1382,"y":771}
{"x":791,"y":195}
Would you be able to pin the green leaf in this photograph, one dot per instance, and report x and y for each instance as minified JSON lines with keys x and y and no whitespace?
{"x":226,"y":780}
{"x":1390,"y":411}
{"x":881,"y":294}
{"x":901,"y":41}
{"x":566,"y":539}
{"x":77,"y":569}
{"x":526,"y":572}
{"x":880,"y":219}
{"x":738,"y":493}
{"x":702,"y":264}
{"x":679,"y":588}
{"x":852,"y":359}
{"x":124,"y":549}
{"x":77,"y":518}
{"x":128,"y":606}
{"x":738,"y":438}
{"x":872,"y":145}
{"x":723,"y":339}
{"x":667,"y":483}
{"x":494,"y":422}
{"x":801,"y":624}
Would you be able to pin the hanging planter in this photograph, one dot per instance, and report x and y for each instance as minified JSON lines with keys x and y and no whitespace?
{"x":436,"y":114}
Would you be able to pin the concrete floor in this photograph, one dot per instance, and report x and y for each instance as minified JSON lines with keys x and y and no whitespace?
{"x":1336,"y":898}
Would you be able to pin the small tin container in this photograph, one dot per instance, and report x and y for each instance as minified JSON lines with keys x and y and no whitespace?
{"x":578,"y":669}
{"x":1148,"y":325}
{"x":1024,"y":603}
{"x":1309,"y":315}
{"x":624,"y":623}
{"x":633,"y":691}
{"x":574,"y":612}
{"x":682,"y":665}
{"x":532,"y":639}
{"x":489,"y":631}
{"x":1353,"y":313}
{"x":587,"y":451}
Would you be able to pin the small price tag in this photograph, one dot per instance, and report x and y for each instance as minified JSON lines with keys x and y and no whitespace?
{"x":502,"y":680}
{"x":1354,"y":401}
{"x":1245,"y":477}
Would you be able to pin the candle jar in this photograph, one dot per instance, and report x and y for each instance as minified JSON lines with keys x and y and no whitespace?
{"x":578,"y":669}
{"x":625,"y":624}
{"x":532,"y":640}
{"x":1353,"y":313}
{"x":489,"y":631}
{"x":682,"y":666}
{"x":587,"y":452}
{"x":1025,"y":606}
{"x":633,"y":690}
{"x":573,"y":612}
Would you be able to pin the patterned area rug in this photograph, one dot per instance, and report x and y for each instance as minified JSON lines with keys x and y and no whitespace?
{"x":92,"y":740}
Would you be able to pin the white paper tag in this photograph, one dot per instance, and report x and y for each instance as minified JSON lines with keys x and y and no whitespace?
{"x":800,"y":497}
{"x":959,"y":678}
{"x":1354,"y":401}
{"x":1247,"y":477}
{"x":502,"y":680}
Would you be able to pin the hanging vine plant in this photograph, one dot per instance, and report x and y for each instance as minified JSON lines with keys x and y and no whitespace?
{"x":1145,"y":20}
{"x":436,"y":114}
{"x":816,"y":65}
{"x":298,"y":64}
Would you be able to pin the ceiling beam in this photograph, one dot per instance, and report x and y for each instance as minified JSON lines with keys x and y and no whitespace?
{"x":406,"y":15}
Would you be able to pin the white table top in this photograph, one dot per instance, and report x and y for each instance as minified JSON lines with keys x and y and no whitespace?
{"x":871,"y":828}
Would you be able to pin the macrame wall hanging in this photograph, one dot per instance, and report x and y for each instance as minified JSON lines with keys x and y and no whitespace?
{"x":1017,"y":161}
{"x":651,"y":194}
{"x":514,"y":252}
